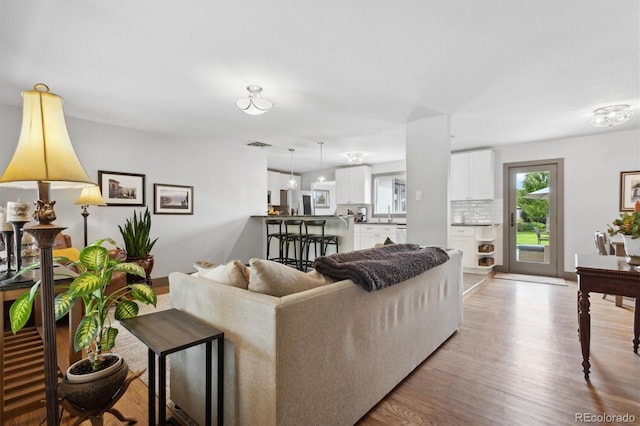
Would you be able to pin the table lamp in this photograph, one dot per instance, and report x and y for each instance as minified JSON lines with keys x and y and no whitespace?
{"x":90,"y":196}
{"x":44,"y":158}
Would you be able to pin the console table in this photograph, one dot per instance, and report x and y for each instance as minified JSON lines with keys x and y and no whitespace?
{"x":610,"y":275}
{"x":170,"y":331}
{"x":22,"y":386}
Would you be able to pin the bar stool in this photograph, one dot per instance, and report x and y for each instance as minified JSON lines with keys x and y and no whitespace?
{"x":273,"y":232}
{"x":295,"y":237}
{"x":315,"y":238}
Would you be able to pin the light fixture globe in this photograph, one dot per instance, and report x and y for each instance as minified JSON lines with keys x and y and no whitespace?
{"x":254,"y":104}
{"x":292,"y":183}
{"x":321,"y":178}
{"x":354,"y":158}
{"x":613,"y":115}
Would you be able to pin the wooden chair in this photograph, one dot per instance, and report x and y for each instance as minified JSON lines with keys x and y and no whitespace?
{"x":541,"y":237}
{"x":603,"y":248}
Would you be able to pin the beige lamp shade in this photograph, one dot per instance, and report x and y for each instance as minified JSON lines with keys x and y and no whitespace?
{"x":44,"y":152}
{"x":90,"y":196}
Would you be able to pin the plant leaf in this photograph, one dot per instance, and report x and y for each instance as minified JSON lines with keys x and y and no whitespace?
{"x":64,"y":302}
{"x":85,"y":283}
{"x":144,"y":293}
{"x":20,"y":312}
{"x":126,"y":309}
{"x":86,"y":332}
{"x":109,"y":338}
{"x":94,"y":257}
{"x":130,"y":268}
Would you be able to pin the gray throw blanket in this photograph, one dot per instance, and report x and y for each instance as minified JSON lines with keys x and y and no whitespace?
{"x":381,"y":267}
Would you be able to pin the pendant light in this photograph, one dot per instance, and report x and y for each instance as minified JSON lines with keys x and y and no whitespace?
{"x":322,"y":177}
{"x":292,"y":184}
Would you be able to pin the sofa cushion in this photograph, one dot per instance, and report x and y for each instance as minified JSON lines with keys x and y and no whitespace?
{"x":277,"y":279}
{"x":71,"y":253}
{"x":233,"y":273}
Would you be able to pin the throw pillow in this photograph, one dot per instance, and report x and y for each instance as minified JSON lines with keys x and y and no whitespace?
{"x":277,"y":279}
{"x":71,"y":253}
{"x":234,"y":273}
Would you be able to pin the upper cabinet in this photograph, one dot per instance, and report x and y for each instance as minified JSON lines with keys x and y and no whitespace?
{"x":353,"y":185}
{"x":277,"y":181}
{"x":472,"y":175}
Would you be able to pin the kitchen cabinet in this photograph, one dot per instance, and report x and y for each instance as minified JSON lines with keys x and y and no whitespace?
{"x":353,"y":185}
{"x":274,"y":185}
{"x":477,"y":244}
{"x":472,"y":175}
{"x":277,"y":181}
{"x":367,"y":236}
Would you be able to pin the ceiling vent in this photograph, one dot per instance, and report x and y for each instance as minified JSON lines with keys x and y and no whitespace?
{"x":259,"y":144}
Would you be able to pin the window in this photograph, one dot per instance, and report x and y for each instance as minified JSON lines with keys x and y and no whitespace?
{"x":389,"y":194}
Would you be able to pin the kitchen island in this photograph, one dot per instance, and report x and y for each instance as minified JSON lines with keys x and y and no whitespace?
{"x":342,"y":226}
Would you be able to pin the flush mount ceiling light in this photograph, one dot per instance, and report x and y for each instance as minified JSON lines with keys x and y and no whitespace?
{"x":613,"y":115}
{"x":354,"y":158}
{"x":254,"y":104}
{"x":322,"y":177}
{"x":292,"y":183}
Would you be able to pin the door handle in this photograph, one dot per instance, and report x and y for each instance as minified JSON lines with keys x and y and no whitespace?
{"x":513,"y":219}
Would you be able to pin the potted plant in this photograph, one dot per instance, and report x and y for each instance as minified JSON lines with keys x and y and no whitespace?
{"x":136,"y":234}
{"x":94,"y":333}
{"x":628,"y":225}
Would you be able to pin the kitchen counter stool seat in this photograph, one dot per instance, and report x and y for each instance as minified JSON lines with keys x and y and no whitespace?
{"x":293,"y":237}
{"x":315,"y":238}
{"x":274,"y":230}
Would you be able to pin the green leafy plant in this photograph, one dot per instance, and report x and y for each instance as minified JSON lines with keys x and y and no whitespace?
{"x":627,"y":224}
{"x":95,"y":268}
{"x":136,"y":234}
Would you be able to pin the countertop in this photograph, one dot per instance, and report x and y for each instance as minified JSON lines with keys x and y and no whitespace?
{"x":308,"y":216}
{"x":381,"y":223}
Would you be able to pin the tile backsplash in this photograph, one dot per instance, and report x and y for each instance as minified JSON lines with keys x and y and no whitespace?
{"x":478,"y":211}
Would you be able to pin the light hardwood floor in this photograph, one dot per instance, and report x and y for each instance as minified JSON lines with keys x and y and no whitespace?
{"x":515,"y":361}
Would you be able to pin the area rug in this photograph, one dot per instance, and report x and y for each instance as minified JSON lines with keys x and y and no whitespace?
{"x":530,"y":278}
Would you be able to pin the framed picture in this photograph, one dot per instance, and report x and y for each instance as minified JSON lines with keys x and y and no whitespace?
{"x":122,"y":189}
{"x":629,"y":190}
{"x":321,"y":198}
{"x":172,"y":199}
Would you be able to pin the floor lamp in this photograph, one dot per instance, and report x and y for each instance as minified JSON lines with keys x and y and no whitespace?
{"x":44,"y":159}
{"x":90,"y":196}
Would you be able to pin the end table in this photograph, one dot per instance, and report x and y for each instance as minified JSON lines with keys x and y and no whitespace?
{"x":170,"y":331}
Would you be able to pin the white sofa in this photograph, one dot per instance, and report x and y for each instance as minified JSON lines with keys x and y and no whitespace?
{"x":324,"y":356}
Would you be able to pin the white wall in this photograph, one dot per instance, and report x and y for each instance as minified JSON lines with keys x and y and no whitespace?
{"x":428,"y":158}
{"x":592,"y":166}
{"x":229,"y":183}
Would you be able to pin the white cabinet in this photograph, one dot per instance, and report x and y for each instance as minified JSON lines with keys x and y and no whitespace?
{"x":478,"y":247}
{"x":472,"y":175}
{"x":463,"y":238}
{"x":274,"y":186}
{"x":367,"y":236}
{"x":353,"y":185}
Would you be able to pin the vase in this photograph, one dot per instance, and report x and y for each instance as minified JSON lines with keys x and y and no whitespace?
{"x":632,"y":249}
{"x":146,"y":262}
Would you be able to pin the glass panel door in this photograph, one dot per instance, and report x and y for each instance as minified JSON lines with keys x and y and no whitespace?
{"x":532,"y":221}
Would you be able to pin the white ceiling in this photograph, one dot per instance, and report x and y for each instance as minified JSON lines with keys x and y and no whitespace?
{"x":349,"y":73}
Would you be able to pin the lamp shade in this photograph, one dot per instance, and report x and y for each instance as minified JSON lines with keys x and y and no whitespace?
{"x":44,"y":152}
{"x":90,"y":196}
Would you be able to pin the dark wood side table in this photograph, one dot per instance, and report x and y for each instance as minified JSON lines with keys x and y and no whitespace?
{"x":170,"y":331}
{"x":610,"y":275}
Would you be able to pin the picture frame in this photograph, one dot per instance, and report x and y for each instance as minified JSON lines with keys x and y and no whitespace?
{"x":122,"y":189}
{"x":321,"y":198}
{"x":629,"y":190}
{"x":172,"y":199}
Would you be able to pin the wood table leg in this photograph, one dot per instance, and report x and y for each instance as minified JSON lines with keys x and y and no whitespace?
{"x":636,"y":326}
{"x":585,"y":330}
